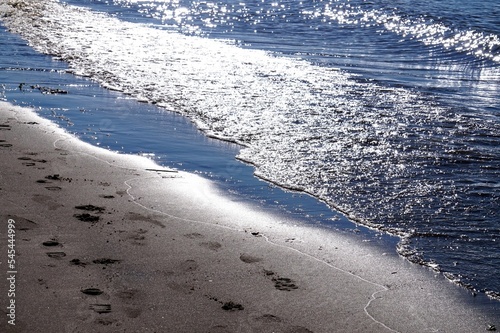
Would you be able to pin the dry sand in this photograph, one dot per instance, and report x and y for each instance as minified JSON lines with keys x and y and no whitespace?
{"x":105,"y":244}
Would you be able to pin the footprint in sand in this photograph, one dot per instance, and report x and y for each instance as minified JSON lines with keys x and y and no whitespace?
{"x":77,"y":262}
{"x":92,"y":291}
{"x":47,"y":201}
{"x":86,"y":217}
{"x":23,"y":224}
{"x":127,"y":294}
{"x":91,"y":208}
{"x":32,"y":163}
{"x":266,"y":322}
{"x":249,"y":259}
{"x":137,"y":237}
{"x":285,"y":284}
{"x":104,"y":196}
{"x":101,"y":308}
{"x":106,"y":261}
{"x":194,"y":235}
{"x":213,"y":246}
{"x":51,"y":243}
{"x":138,"y":217}
{"x":269,"y":318}
{"x":105,"y":321}
{"x":56,"y":255}
{"x":231,"y":306}
{"x":53,"y":188}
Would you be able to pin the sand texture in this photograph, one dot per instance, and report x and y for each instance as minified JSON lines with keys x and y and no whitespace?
{"x":114,"y":243}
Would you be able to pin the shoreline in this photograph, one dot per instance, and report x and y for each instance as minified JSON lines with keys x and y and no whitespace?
{"x":103,"y":243}
{"x":456,"y":268}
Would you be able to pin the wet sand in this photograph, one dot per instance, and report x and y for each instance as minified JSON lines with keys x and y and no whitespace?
{"x":115,"y":243}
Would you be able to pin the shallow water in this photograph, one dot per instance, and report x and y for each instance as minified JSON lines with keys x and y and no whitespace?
{"x":103,"y":118}
{"x":386,"y":111}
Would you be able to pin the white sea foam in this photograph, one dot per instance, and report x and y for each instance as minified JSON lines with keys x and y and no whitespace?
{"x":299,"y":122}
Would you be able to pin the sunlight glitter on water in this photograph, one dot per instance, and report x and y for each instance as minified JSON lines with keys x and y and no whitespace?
{"x":425,"y":30}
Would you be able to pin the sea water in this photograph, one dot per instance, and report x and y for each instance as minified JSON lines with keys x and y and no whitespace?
{"x":387,"y":111}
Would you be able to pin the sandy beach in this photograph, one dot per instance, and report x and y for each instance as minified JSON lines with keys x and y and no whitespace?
{"x":105,"y":242}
